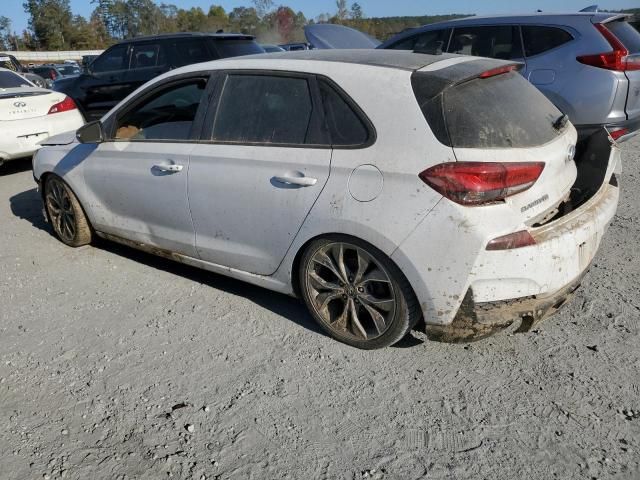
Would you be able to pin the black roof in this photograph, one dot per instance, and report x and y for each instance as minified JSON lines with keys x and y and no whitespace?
{"x":169,"y":36}
{"x":399,"y":59}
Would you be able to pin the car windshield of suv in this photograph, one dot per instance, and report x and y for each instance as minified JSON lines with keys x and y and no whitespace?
{"x":236,"y":48}
{"x":11,"y":80}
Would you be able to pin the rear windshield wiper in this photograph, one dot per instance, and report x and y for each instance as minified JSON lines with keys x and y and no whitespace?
{"x":561,"y":122}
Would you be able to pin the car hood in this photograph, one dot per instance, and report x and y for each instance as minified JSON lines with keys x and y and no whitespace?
{"x":326,"y":36}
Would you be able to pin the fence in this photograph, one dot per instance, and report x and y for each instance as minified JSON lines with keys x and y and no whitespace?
{"x":53,"y":56}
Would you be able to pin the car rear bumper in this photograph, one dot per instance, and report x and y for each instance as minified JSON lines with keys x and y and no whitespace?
{"x":632,"y":127}
{"x":21,"y":138}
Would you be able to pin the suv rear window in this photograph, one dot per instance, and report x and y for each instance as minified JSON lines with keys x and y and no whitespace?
{"x":236,"y":48}
{"x":629,"y":36}
{"x":538,"y":40}
{"x":503,"y":111}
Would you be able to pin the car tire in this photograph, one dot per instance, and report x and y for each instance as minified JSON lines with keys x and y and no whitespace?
{"x":356,"y":293}
{"x":65,"y":213}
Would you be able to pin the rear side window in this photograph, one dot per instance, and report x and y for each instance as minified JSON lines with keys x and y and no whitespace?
{"x":434,"y":41}
{"x":191,"y":51}
{"x":147,"y":55}
{"x":345,"y":126}
{"x":503,"y":111}
{"x":628,"y":35}
{"x":502,"y":41}
{"x":263,"y":109}
{"x":236,"y":48}
{"x":538,"y":39}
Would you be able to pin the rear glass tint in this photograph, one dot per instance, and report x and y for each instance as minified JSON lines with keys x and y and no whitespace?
{"x":538,"y":40}
{"x":504,"y":111}
{"x":628,"y":35}
{"x":235,"y":48}
{"x":11,"y":80}
{"x":345,"y":126}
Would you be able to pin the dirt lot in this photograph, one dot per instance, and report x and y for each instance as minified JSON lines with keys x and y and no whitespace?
{"x":117,"y":364}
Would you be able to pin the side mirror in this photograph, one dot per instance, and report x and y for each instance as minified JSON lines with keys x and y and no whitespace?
{"x":91,"y":133}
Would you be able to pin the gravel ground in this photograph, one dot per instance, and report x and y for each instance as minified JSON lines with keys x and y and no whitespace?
{"x":117,"y":364}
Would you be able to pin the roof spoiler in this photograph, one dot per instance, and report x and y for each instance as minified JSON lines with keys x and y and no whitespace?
{"x":591,"y":8}
{"x":613,"y":18}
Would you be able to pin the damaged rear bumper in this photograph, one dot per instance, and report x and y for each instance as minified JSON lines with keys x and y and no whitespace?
{"x":476,"y":321}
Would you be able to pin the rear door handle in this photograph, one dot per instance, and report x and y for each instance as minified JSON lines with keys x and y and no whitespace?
{"x":300,"y":181}
{"x":173,"y":168}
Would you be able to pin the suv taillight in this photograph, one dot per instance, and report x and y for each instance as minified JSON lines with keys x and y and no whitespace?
{"x":63,"y":106}
{"x":618,"y":59}
{"x":478,"y":183}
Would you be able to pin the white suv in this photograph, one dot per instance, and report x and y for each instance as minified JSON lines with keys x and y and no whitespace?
{"x":380,"y":186}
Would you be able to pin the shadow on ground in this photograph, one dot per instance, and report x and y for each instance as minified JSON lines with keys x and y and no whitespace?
{"x":15,"y":166}
{"x":28,"y":206}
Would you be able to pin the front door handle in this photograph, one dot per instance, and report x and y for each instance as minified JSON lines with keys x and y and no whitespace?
{"x":300,"y":181}
{"x":172,"y":168}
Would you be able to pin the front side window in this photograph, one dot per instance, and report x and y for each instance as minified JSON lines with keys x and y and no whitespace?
{"x":264,"y":109}
{"x":538,"y":39}
{"x":502,"y":42}
{"x":148,"y":55}
{"x":167,"y":115}
{"x":111,"y":60}
{"x":434,"y":42}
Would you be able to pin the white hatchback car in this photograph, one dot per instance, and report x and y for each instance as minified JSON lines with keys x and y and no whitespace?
{"x":380,"y":186}
{"x":29,"y":114}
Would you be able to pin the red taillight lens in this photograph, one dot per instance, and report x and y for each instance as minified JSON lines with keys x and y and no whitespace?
{"x":618,"y":60}
{"x":617,"y":134}
{"x":498,"y":71}
{"x":52,"y":74}
{"x":64,"y":106}
{"x":477,"y":183}
{"x":511,"y":241}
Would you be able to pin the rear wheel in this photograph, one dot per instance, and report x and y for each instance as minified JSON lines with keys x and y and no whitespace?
{"x":65,"y":213}
{"x":356,"y":293}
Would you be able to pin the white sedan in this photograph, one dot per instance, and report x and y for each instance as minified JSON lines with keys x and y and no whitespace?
{"x":380,"y":186}
{"x":29,"y":114}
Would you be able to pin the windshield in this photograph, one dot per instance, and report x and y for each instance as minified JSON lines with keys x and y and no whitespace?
{"x":236,"y":48}
{"x":12,"y":80}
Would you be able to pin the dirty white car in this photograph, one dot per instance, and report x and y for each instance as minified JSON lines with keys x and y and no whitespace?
{"x":29,"y":114}
{"x":382,"y":187}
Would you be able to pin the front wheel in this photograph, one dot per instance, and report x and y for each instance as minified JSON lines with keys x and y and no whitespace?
{"x":69,"y":222}
{"x":356,"y":293}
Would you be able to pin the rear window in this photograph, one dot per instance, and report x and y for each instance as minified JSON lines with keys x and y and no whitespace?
{"x":628,"y":35}
{"x":538,"y":40}
{"x":11,"y":80}
{"x":236,"y":48}
{"x":503,"y":111}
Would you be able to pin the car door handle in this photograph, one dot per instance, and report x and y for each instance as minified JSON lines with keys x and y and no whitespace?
{"x":301,"y":181}
{"x":172,"y":168}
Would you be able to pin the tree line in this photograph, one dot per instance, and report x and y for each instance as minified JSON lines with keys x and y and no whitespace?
{"x":53,"y":26}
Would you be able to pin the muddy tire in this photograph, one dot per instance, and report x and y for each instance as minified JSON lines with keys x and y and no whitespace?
{"x":356,"y":293}
{"x":65,"y":214}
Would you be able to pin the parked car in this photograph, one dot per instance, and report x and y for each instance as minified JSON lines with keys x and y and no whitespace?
{"x":49,"y":72}
{"x":11,"y":63}
{"x":272,"y":48}
{"x":294,"y":47}
{"x":587,"y":63}
{"x":29,"y":114}
{"x":121,"y":69}
{"x":452,"y":196}
{"x":68,"y":70}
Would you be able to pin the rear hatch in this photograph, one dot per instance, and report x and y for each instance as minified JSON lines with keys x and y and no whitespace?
{"x":488,"y":113}
{"x":629,"y":37}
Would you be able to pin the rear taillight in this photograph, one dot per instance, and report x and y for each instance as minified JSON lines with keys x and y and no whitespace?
{"x":52,"y":75}
{"x":498,"y":71}
{"x":63,"y":106}
{"x":478,"y":183}
{"x":617,"y":134}
{"x":511,"y":241}
{"x":618,"y":59}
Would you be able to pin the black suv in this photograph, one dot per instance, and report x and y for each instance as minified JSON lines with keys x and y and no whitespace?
{"x":127,"y":65}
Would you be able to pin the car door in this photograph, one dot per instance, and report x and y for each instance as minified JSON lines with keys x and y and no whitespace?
{"x":137,"y":179}
{"x":148,"y":60}
{"x":105,"y":85}
{"x":259,"y":171}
